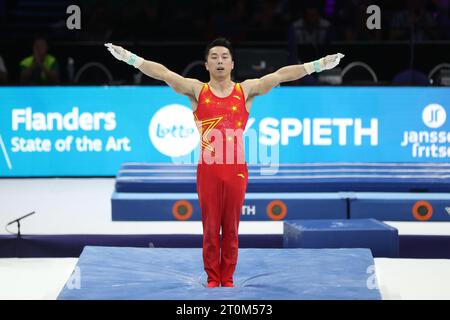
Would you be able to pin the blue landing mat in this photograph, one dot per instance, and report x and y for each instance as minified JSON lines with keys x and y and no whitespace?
{"x":177,"y":274}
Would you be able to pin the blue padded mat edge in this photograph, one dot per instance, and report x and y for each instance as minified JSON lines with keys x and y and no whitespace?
{"x":177,"y":274}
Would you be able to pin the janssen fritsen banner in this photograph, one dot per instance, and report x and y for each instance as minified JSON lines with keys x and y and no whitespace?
{"x":90,"y":131}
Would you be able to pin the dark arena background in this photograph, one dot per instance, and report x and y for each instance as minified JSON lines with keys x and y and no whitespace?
{"x":348,"y":186}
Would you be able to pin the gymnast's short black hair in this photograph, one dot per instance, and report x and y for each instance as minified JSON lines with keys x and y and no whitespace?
{"x":219,"y":42}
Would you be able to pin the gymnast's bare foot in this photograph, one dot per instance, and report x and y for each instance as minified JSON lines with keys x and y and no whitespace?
{"x":228,"y":284}
{"x":213,"y":284}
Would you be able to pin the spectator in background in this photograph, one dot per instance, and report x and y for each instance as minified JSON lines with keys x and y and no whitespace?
{"x":40,"y":68}
{"x":148,"y":24}
{"x":184,"y":19}
{"x":226,"y":19}
{"x":443,"y":17}
{"x":99,"y":22}
{"x":3,"y":72}
{"x":415,"y":22}
{"x":269,"y":18}
{"x":312,"y":28}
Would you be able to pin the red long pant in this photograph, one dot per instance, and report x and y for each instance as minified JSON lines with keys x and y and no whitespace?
{"x":221,"y":191}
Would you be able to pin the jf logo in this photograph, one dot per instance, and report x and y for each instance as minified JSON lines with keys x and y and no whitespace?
{"x":434,"y":116}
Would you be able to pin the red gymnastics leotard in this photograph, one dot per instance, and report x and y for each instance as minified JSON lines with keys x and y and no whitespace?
{"x":222,"y":177}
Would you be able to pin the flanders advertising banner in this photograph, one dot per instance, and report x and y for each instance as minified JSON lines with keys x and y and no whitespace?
{"x":91,"y":131}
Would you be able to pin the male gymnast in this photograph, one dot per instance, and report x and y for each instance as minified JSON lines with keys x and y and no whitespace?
{"x":221,"y":108}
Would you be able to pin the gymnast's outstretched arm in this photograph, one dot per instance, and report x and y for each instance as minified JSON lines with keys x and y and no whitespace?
{"x":257,"y":87}
{"x":187,"y":86}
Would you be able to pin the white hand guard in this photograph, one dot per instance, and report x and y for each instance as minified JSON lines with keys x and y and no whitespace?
{"x":124,"y":55}
{"x":326,"y":63}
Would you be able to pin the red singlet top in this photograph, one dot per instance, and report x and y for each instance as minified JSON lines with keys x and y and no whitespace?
{"x":221,"y":123}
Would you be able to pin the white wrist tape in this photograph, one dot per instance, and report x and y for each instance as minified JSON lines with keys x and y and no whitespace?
{"x":135,"y":61}
{"x":315,"y":66}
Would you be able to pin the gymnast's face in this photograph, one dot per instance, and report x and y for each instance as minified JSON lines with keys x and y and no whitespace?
{"x":220,"y":62}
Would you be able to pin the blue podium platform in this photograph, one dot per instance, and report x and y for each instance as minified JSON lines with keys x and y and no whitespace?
{"x":295,"y":177}
{"x":379,"y":237}
{"x":257,"y":206}
{"x":261,"y":274}
{"x":384,"y":191}
{"x":400,"y":206}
